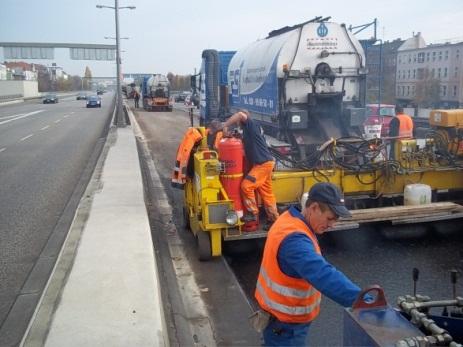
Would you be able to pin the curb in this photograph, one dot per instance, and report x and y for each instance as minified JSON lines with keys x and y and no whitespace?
{"x":194,"y":316}
{"x":37,"y":331}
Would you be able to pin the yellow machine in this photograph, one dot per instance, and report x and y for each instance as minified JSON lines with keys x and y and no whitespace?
{"x":372,"y":185}
{"x":449,"y":125}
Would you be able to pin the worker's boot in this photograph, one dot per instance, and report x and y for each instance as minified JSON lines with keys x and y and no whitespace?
{"x":249,"y":217}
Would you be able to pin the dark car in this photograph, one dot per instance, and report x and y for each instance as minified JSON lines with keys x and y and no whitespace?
{"x":50,"y":99}
{"x":93,"y":101}
{"x":99,"y":92}
{"x":181,"y":97}
{"x":81,"y":96}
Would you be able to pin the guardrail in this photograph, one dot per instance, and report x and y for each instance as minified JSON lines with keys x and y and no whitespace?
{"x":11,"y":96}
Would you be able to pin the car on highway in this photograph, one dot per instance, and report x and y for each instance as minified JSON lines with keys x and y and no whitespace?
{"x":99,"y":92}
{"x":81,"y":96}
{"x":93,"y":101}
{"x":181,"y":97}
{"x":50,"y":99}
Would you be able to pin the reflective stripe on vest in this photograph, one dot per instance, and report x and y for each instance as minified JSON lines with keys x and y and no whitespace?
{"x":405,"y":125}
{"x":289,"y":310}
{"x":289,"y":299}
{"x":286,"y":291}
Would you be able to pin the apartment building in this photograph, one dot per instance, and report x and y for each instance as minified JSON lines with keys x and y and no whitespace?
{"x":3,"y":72}
{"x":429,"y":75}
{"x":381,"y":61}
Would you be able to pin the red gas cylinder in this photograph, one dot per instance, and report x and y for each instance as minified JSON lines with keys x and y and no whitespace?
{"x":231,"y":153}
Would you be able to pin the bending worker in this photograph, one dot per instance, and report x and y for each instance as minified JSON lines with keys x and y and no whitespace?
{"x":260,"y":176}
{"x":293,"y":273}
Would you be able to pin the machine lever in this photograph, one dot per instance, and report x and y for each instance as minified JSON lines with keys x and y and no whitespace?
{"x":453,"y":280}
{"x":416,"y":275}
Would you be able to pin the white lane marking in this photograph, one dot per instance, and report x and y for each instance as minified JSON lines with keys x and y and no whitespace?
{"x":72,"y":112}
{"x":58,"y":120}
{"x":45,"y":127}
{"x":66,"y":116}
{"x":2,"y":149}
{"x":22,"y":116}
{"x":26,"y":137}
{"x":12,"y":116}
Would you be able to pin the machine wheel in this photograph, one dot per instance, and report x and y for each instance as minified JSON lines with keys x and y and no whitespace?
{"x":204,"y":246}
{"x":186,"y":218}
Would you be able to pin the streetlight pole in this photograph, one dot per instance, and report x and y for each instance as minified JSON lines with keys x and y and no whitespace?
{"x":380,"y":76}
{"x":120,"y":119}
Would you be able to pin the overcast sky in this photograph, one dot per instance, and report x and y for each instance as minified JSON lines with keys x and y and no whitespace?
{"x":169,"y":36}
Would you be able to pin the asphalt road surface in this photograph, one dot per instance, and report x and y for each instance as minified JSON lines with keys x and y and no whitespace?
{"x":44,"y":149}
{"x":370,"y":255}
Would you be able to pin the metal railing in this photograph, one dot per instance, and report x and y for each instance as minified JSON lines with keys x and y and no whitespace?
{"x":11,"y":96}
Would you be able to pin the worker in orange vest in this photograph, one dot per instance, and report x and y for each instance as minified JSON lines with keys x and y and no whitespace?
{"x":401,"y":126}
{"x":192,"y":138}
{"x":260,"y":176}
{"x":293,"y":273}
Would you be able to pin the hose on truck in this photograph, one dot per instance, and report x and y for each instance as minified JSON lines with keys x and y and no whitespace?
{"x":357,"y":155}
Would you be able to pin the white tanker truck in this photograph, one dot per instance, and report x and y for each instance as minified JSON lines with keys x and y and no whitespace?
{"x":305,"y":84}
{"x":156,"y":93}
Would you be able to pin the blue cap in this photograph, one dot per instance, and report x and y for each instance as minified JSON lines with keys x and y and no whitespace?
{"x":331,"y":195}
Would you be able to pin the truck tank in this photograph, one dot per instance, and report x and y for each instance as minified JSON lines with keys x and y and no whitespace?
{"x":156,"y":93}
{"x":305,"y":84}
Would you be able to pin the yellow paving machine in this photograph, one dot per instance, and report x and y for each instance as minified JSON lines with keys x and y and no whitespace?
{"x":374,"y":176}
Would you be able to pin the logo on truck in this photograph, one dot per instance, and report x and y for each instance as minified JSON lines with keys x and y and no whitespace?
{"x":322,"y":30}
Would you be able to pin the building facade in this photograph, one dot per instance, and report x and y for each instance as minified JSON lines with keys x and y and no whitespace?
{"x":382,"y":73}
{"x":3,"y":72}
{"x":430,"y":76}
{"x":22,"y":71}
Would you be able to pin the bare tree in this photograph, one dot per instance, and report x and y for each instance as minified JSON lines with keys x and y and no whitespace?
{"x":427,"y":92}
{"x":63,"y":84}
{"x":179,"y":82}
{"x":87,"y":78}
{"x":44,"y":82}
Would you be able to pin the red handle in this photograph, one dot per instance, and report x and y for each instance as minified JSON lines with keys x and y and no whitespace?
{"x":378,"y":295}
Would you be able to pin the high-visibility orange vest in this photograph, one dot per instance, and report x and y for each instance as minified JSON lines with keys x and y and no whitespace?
{"x":191,"y":137}
{"x":406,"y":125}
{"x":289,"y":299}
